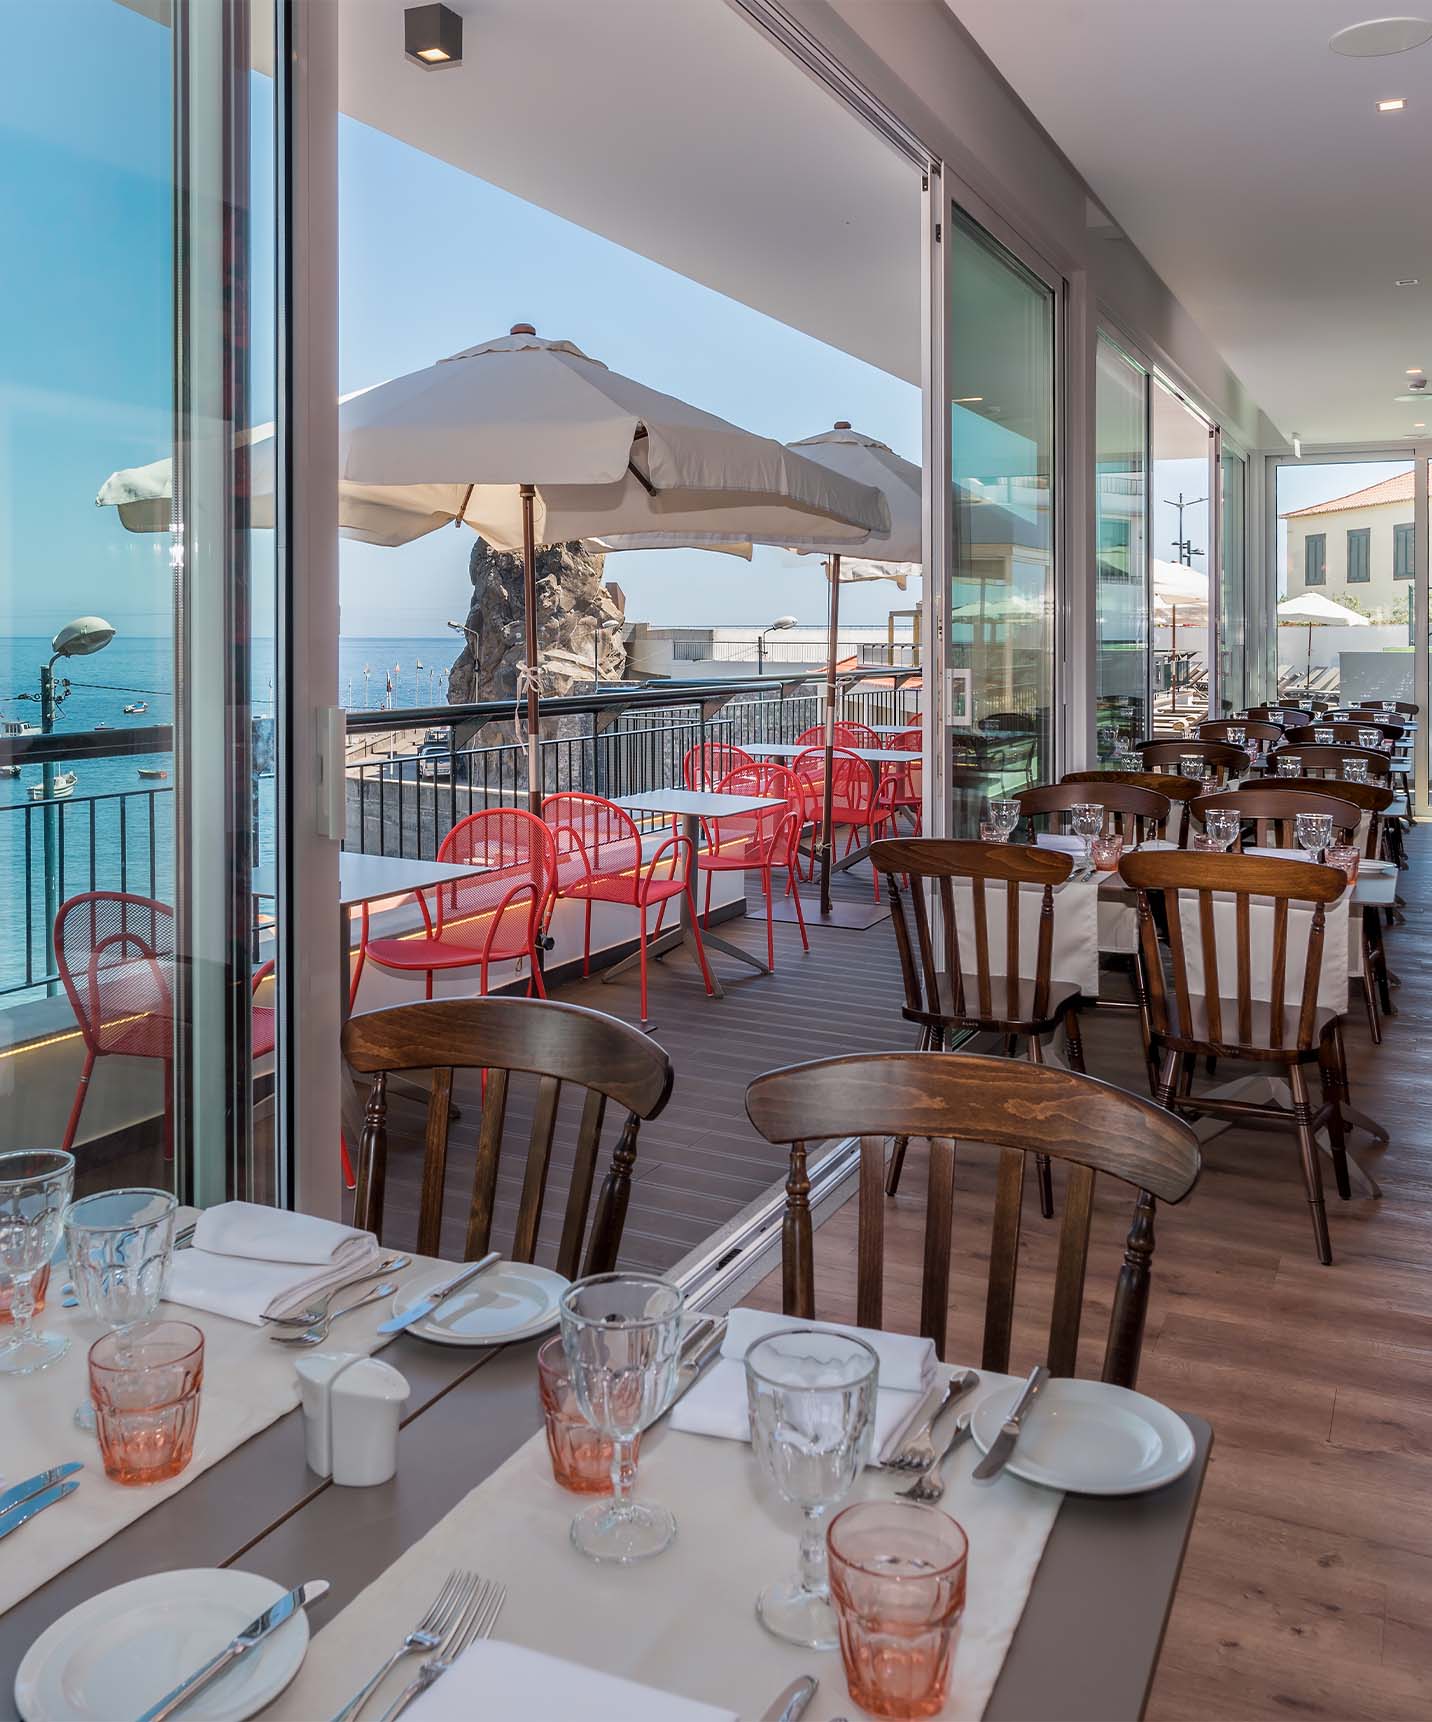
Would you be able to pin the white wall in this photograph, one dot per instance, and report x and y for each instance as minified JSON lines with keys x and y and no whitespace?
{"x":1379,"y":597}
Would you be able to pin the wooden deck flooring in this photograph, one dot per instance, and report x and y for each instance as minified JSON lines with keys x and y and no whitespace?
{"x":1308,"y":1585}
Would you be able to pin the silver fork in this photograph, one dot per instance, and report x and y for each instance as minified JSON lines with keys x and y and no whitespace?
{"x":316,"y":1334}
{"x":478,"y":1620}
{"x":919,"y":1450}
{"x":446,"y":1608}
{"x":929,"y":1486}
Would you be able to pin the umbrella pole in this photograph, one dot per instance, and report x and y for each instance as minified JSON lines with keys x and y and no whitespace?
{"x":529,"y":677}
{"x":1308,"y":675}
{"x":827,"y":793}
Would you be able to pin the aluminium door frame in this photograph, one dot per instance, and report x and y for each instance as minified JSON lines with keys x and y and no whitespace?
{"x":1114,"y":331}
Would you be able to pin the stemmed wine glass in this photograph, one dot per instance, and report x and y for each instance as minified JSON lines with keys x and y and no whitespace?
{"x":1086,"y":820}
{"x":1004,"y":816}
{"x":35,"y":1185}
{"x":622,"y":1335}
{"x":1222,"y":824}
{"x":812,"y":1402}
{"x":120,"y":1243}
{"x":1314,"y":831}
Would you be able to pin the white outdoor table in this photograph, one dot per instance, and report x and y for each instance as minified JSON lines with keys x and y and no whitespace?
{"x":876,"y":756}
{"x":691,"y":806}
{"x":893,"y":728}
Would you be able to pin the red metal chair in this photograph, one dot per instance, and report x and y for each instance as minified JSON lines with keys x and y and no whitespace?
{"x":909,"y":779}
{"x":757,"y":842}
{"x":846,"y":735}
{"x":706,"y":764}
{"x":115,"y":954}
{"x":866,"y":809}
{"x":600,"y":860}
{"x":492,"y":917}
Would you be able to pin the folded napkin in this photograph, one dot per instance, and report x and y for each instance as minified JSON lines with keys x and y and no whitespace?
{"x":717,"y":1404}
{"x":505,"y":1683}
{"x":249,"y":1261}
{"x":1281,"y":854}
{"x":1057,"y":840}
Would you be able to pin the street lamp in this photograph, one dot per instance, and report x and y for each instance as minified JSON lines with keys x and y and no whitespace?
{"x":77,"y":639}
{"x":778,"y":626}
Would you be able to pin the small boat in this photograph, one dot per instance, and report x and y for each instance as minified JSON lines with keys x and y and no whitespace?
{"x":155,"y":771}
{"x":9,"y":770}
{"x":138,"y":706}
{"x":104,"y":726}
{"x":64,"y":785}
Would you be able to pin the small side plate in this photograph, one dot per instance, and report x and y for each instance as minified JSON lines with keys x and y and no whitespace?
{"x":511,"y":1301}
{"x":1089,"y":1438}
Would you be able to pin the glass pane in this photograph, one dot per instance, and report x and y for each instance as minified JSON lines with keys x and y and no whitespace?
{"x":1342,"y":523}
{"x":1233,"y":694}
{"x":1122,"y":604}
{"x":120,"y":625}
{"x":1001,"y":634}
{"x":1181,"y":473}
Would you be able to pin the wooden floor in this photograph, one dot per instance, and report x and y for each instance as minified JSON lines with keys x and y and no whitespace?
{"x":1308,"y":1585}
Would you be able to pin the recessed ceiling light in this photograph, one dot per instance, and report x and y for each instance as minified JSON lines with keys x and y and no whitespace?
{"x":1406,"y":400}
{"x":1414,"y":370}
{"x":1379,"y":36}
{"x":1393,"y":105}
{"x":967,"y":400}
{"x":1406,"y":281}
{"x":1419,"y":424}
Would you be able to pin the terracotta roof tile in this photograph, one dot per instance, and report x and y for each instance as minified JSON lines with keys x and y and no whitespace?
{"x":1396,"y":489}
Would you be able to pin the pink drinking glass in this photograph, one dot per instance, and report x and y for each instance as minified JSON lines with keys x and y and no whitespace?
{"x":1107,"y":853}
{"x":145,"y":1382}
{"x":897,"y":1580}
{"x":581,"y":1458}
{"x":1343,"y":855}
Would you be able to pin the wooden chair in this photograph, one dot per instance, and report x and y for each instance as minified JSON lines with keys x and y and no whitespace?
{"x":559,"y":1043}
{"x":1129,"y":812}
{"x":1272,"y":808}
{"x":1342,"y":731}
{"x":1406,"y":707}
{"x":1285,"y":715}
{"x":1179,"y":790}
{"x":953,"y":989}
{"x":1223,"y":1019}
{"x":1218,"y":757}
{"x":1323,"y":761}
{"x":1254,"y":729}
{"x":1090,"y":1126}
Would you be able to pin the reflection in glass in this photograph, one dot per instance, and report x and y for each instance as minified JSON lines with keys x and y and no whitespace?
{"x":1233,"y":689}
{"x":1121,"y":594}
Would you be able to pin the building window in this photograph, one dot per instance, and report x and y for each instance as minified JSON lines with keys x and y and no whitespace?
{"x":1315,"y":559}
{"x":1359,"y":553}
{"x":1402,"y":552}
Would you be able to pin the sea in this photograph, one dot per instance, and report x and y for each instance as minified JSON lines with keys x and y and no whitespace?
{"x":117,"y":821}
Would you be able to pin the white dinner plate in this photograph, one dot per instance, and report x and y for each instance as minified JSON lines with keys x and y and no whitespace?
{"x":1090,"y":1438}
{"x":1377,"y":869}
{"x":119,"y":1653}
{"x":511,"y":1301}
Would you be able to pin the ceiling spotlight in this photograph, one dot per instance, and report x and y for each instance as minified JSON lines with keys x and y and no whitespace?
{"x":1419,"y":424}
{"x":1406,"y":281}
{"x":1414,"y":370}
{"x":1379,"y":36}
{"x":1393,"y":105}
{"x":1297,"y":446}
{"x":432,"y":36}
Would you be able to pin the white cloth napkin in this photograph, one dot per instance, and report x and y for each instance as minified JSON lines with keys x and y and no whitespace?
{"x":506,"y":1683}
{"x":717,"y":1405}
{"x":1281,"y":854}
{"x":1057,"y":840}
{"x":249,"y":1261}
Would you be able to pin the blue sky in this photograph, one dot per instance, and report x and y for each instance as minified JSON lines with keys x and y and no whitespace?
{"x":432,"y":260}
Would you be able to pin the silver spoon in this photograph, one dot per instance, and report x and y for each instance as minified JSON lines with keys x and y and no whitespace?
{"x":316,"y":1335}
{"x":310,"y":1317}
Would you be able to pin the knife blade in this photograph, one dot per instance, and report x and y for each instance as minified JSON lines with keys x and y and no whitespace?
{"x":793,"y":1701}
{"x":254,"y":1633}
{"x":694,"y":1365}
{"x":26,"y":1510}
{"x":421,"y":1310}
{"x":1003,"y":1444}
{"x":33,"y":1485}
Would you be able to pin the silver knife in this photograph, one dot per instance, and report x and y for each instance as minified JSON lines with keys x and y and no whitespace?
{"x":793,"y":1701}
{"x":33,"y":1485}
{"x":421,"y":1310}
{"x":22,"y":1514}
{"x":1003,"y":1444}
{"x":254,"y":1633}
{"x":693,"y":1366}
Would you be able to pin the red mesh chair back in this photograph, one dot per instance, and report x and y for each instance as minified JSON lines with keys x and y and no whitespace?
{"x":593,"y":837}
{"x":115,"y":955}
{"x":706,"y":764}
{"x":847,"y":734}
{"x":852,"y":783}
{"x":767,"y":832}
{"x":521,"y":858}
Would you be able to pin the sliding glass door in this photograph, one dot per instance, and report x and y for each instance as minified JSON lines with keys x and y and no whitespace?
{"x":1234,"y":692}
{"x":1121,"y":588}
{"x":1001,"y":630}
{"x":1182,"y":447}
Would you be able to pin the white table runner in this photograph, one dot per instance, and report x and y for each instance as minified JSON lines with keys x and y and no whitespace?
{"x":1075,"y":945}
{"x":683,"y":1622}
{"x":249,"y":1382}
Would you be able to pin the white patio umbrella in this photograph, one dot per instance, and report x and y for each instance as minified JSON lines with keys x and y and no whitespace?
{"x":529,"y":441}
{"x":1311,"y":610}
{"x":1178,"y":590}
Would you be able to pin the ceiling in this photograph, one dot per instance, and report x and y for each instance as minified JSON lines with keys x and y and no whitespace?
{"x":1249,"y":164}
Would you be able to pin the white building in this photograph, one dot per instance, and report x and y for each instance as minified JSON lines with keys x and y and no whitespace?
{"x":1356,"y":549}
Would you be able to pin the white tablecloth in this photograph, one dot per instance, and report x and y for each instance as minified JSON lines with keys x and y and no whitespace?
{"x":1075,"y":945}
{"x":683,"y":1622}
{"x":249,"y":1382}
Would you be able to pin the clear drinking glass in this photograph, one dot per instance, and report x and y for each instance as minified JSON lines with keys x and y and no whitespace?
{"x":1313,"y":830}
{"x":1086,"y":820}
{"x":1290,"y":765}
{"x":1354,"y":770}
{"x":1236,"y":734}
{"x":897,"y":1577}
{"x":812,"y":1404}
{"x":1004,"y":816}
{"x":1223,"y":824}
{"x":145,"y":1382}
{"x":1191,"y":765}
{"x":1324,"y":737}
{"x":35,"y":1186}
{"x":120,"y":1243}
{"x":622,"y":1336}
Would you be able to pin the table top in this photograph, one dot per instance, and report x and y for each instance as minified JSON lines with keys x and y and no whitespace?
{"x":696,"y":803}
{"x":364,"y":878}
{"x":793,"y":749}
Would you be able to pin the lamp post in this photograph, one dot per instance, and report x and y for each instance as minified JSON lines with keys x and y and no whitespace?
{"x":778,"y":626}
{"x":77,"y":639}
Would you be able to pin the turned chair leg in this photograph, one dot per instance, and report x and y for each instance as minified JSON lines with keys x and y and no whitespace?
{"x":1043,"y":1169}
{"x":1312,"y":1170}
{"x":930,"y":1041}
{"x":1332,"y":1098}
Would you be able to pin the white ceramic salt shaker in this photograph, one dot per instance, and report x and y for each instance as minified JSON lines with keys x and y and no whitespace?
{"x":316,"y":1374}
{"x":367,"y":1406}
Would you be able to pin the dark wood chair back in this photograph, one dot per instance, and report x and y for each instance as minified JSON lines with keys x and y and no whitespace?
{"x":1222,"y":1014}
{"x":1254,"y":729}
{"x":1342,"y":731}
{"x":1323,"y":761}
{"x":973,"y":993}
{"x":1406,"y":707}
{"x":1286,"y":715}
{"x":1129,"y":812}
{"x":1218,"y":757}
{"x":1373,"y":799}
{"x":560,"y":1044}
{"x":1273,"y":808}
{"x":1020,"y":1109}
